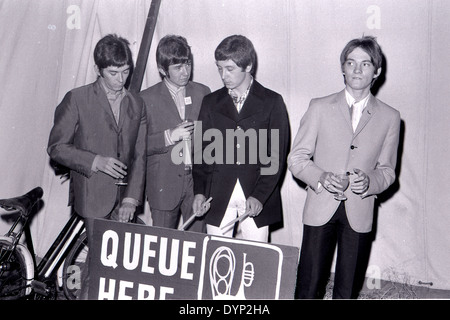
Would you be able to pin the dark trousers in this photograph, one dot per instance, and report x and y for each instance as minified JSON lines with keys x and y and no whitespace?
{"x":316,"y":257}
{"x":171,"y":218}
{"x":89,"y":225}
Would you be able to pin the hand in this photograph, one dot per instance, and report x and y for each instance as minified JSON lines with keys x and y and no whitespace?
{"x":112,"y":167}
{"x":361,"y":183}
{"x":326,"y":180}
{"x":126,"y":212}
{"x":330,"y":182}
{"x":200,"y":206}
{"x":253,"y":206}
{"x":181,"y":131}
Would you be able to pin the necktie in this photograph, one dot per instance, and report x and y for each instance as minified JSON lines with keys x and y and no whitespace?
{"x":355,"y":115}
{"x":187,"y":143}
{"x":238,"y":101}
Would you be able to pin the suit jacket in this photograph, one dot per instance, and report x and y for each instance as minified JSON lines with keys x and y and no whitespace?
{"x":263,"y":111}
{"x":326,"y":142}
{"x":164,"y":177}
{"x":84,"y":126}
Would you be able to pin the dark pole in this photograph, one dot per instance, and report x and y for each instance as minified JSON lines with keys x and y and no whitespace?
{"x":144,"y":49}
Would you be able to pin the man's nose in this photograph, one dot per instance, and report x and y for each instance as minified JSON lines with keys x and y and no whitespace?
{"x":223,"y":75}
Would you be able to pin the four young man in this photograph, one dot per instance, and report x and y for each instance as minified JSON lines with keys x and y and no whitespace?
{"x":114,"y":141}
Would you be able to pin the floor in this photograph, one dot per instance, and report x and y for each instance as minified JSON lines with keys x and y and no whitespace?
{"x":378,"y":290}
{"x":383,"y":290}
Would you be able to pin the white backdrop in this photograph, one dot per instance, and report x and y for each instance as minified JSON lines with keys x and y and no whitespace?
{"x":46,"y":50}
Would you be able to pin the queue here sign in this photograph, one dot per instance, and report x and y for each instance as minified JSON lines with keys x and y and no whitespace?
{"x":138,"y":262}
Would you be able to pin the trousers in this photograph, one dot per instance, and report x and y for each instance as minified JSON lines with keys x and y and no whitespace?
{"x":171,"y":218}
{"x":247,"y":228}
{"x":316,"y":257}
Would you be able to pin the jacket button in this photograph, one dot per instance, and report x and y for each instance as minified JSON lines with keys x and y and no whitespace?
{"x":352,"y":147}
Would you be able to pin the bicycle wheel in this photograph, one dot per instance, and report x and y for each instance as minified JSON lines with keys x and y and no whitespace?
{"x":13,"y":276}
{"x":73,"y":268}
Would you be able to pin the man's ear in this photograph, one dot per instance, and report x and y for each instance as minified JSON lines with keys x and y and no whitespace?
{"x":161,"y":70}
{"x":249,"y":68}
{"x":377,"y":74}
{"x":97,"y":70}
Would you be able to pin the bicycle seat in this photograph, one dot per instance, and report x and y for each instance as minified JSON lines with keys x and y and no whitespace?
{"x":23,"y":203}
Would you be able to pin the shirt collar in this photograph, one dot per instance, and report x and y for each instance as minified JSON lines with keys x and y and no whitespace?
{"x":173,"y":88}
{"x":237,"y":99}
{"x":112,"y":94}
{"x":351,"y":100}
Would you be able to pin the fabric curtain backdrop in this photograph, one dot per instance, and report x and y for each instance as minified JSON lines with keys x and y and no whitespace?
{"x":47,"y":50}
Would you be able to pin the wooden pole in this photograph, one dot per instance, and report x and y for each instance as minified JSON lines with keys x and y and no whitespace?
{"x":141,"y":61}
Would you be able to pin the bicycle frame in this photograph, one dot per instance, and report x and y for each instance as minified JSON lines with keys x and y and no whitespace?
{"x":58,"y":251}
{"x":37,"y":276}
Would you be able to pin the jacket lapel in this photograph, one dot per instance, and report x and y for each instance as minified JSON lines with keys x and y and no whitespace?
{"x":342,"y":105}
{"x":225,"y":105}
{"x":189,"y":106}
{"x":252,"y":105}
{"x":168,"y":101}
{"x":124,"y":110}
{"x":367,"y":114}
{"x":104,"y":104}
{"x":254,"y":102}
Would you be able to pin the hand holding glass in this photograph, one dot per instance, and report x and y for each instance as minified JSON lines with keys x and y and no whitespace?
{"x":343,"y":182}
{"x":191,"y":122}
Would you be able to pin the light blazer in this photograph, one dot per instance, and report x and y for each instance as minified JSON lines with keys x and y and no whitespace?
{"x":84,"y":126}
{"x":325,"y":142}
{"x":164,"y":177}
{"x":263,"y":109}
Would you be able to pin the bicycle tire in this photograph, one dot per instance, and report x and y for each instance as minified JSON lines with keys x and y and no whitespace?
{"x":73,"y":268}
{"x":15,"y":281}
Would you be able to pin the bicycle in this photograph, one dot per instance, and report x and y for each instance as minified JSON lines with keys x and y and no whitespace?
{"x":20,"y":275}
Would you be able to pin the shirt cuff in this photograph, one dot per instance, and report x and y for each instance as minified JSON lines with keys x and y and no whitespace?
{"x":94,"y":164}
{"x":167,"y":139}
{"x":131,"y":201}
{"x":319,"y":187}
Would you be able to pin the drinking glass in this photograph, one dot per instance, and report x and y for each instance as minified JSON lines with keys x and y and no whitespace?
{"x":344,"y":182}
{"x":188,"y":121}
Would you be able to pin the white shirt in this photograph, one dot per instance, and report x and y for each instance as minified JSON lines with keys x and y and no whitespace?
{"x":358,"y":107}
{"x":178,"y":95}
